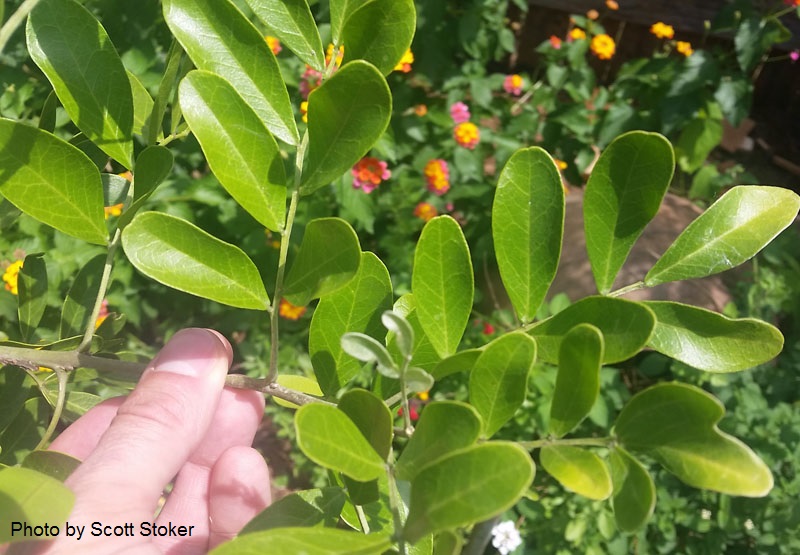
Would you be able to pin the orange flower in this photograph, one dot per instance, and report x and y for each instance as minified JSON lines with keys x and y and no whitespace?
{"x":662,"y":30}
{"x":577,"y":34}
{"x":685,"y":48}
{"x":115,"y":210}
{"x":274,"y":44}
{"x":555,"y":42}
{"x":290,"y":311}
{"x":420,"y":110}
{"x":611,"y":5}
{"x":437,"y":174}
{"x":425,"y":211}
{"x":339,"y":55}
{"x":11,"y":277}
{"x":304,"y":110}
{"x":467,"y":134}
{"x":592,"y":14}
{"x":405,"y":62}
{"x":127,"y":175}
{"x":103,"y":314}
{"x":368,"y":173}
{"x":603,"y":46}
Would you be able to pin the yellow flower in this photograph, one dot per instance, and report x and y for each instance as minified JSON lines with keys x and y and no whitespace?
{"x":577,"y":34}
{"x":603,"y":46}
{"x":684,"y":48}
{"x":662,"y":30}
{"x":274,"y":44}
{"x":11,"y":277}
{"x":339,"y":55}
{"x":560,"y":163}
{"x":405,"y":62}
{"x":425,"y":211}
{"x":423,"y":396}
{"x":290,"y":311}
{"x":304,"y":110}
{"x":115,"y":210}
{"x":467,"y":134}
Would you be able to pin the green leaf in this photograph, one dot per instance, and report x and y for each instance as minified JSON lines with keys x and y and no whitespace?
{"x":301,"y":509}
{"x":754,"y":38}
{"x":153,"y":165}
{"x":403,"y":332}
{"x":341,"y":10}
{"x":366,"y":349}
{"x":346,"y":116}
{"x":220,"y":39}
{"x":291,"y":21}
{"x":81,"y":298}
{"x":462,"y":361}
{"x":467,"y":486}
{"x":634,"y":491}
{"x":626,"y":327}
{"x":710,"y":341}
{"x":328,"y":437}
{"x":305,"y":541}
{"x":443,"y":427}
{"x":499,"y":381}
{"x":23,"y":434}
{"x":239,"y":149}
{"x":52,"y":181}
{"x":738,"y":225}
{"x":423,"y":354}
{"x":578,"y":381}
{"x":13,"y":392}
{"x":52,"y":463}
{"x":380,"y":32}
{"x":417,"y":380}
{"x":698,"y":138}
{"x":74,"y":52}
{"x":182,"y":256}
{"x":302,"y":384}
{"x":371,"y":416}
{"x":577,"y":470}
{"x":32,"y":285}
{"x":33,"y":498}
{"x":142,"y":105}
{"x":527,"y":228}
{"x":622,"y":195}
{"x":47,"y":120}
{"x":676,"y":424}
{"x":442,"y":283}
{"x":76,"y":404}
{"x":328,"y":259}
{"x":354,"y":308}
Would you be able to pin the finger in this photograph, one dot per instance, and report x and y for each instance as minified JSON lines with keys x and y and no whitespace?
{"x":234,"y":424}
{"x":239,"y":489}
{"x":82,"y":436}
{"x":155,"y":430}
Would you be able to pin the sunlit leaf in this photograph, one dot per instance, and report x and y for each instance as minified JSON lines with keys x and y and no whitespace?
{"x":32,"y":285}
{"x":307,"y":508}
{"x":380,"y":32}
{"x":292,"y":22}
{"x":305,"y":541}
{"x":577,"y":470}
{"x":634,"y":491}
{"x":33,"y":498}
{"x":81,"y":298}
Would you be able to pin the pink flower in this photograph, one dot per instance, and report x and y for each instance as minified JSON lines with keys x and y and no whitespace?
{"x":794,"y":55}
{"x":459,"y":112}
{"x":368,"y":173}
{"x":310,"y":80}
{"x":512,"y":84}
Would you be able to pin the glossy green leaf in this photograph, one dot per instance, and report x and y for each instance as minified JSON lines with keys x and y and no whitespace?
{"x":462,"y":361}
{"x":23,"y":434}
{"x":76,"y":404}
{"x":626,"y":327}
{"x":710,"y":341}
{"x":634,"y":491}
{"x":346,"y":116}
{"x":220,"y":39}
{"x":622,"y":195}
{"x":738,"y":225}
{"x":328,"y":259}
{"x":577,"y":470}
{"x":354,"y":308}
{"x":33,"y":498}
{"x":366,"y":349}
{"x":328,"y":437}
{"x":578,"y":380}
{"x":371,"y":416}
{"x":32,"y":291}
{"x":302,"y":384}
{"x":443,"y":427}
{"x":403,"y":332}
{"x":307,"y":508}
{"x":305,"y":541}
{"x":52,"y":463}
{"x":676,"y":424}
{"x":182,"y":256}
{"x":13,"y":392}
{"x":467,"y":486}
{"x":291,"y":21}
{"x":142,"y":105}
{"x":52,"y":181}
{"x":81,"y":298}
{"x":115,"y":188}
{"x":697,"y":139}
{"x":47,"y":119}
{"x":341,"y":10}
{"x":527,"y":227}
{"x":423,"y":353}
{"x":74,"y":52}
{"x":442,"y":283}
{"x":239,"y":149}
{"x":153,"y":165}
{"x":417,"y":380}
{"x":499,"y":381}
{"x":380,"y":32}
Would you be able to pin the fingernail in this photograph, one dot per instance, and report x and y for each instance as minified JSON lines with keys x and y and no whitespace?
{"x":192,"y":352}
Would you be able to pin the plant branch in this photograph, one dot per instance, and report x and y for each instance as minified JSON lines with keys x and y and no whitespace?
{"x":14,"y":21}
{"x":479,"y":538}
{"x":577,"y":442}
{"x":627,"y":289}
{"x":58,"y":408}
{"x":394,"y":505}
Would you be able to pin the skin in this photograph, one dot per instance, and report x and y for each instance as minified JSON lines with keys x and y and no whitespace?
{"x":178,"y":425}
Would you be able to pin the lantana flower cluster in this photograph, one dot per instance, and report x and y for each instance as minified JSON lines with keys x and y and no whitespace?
{"x":465,"y":133}
{"x":11,"y":277}
{"x":368,"y":173}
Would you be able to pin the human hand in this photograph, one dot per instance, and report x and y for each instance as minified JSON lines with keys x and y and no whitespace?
{"x":178,"y":423}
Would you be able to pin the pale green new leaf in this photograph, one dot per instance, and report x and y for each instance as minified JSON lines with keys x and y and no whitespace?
{"x":710,"y":341}
{"x":303,"y":384}
{"x":423,"y":354}
{"x":328,"y":259}
{"x":403,"y":332}
{"x":622,"y":195}
{"x":676,"y":424}
{"x":634,"y":491}
{"x":33,"y":498}
{"x":356,"y":307}
{"x":327,"y":436}
{"x":467,"y":486}
{"x":577,"y":470}
{"x":418,"y":380}
{"x":499,"y":381}
{"x":367,"y":349}
{"x":220,"y":39}
{"x":346,"y":116}
{"x":305,"y":541}
{"x":51,"y":181}
{"x":74,"y":52}
{"x":240,"y":151}
{"x":301,"y":509}
{"x":738,"y":225}
{"x":380,"y":32}
{"x":527,"y":228}
{"x":578,"y":379}
{"x":442,"y":283}
{"x":291,"y":21}
{"x":183,"y":256}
